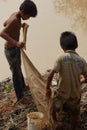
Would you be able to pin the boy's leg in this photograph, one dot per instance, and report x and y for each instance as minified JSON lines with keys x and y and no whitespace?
{"x":72,"y":107}
{"x":75,"y":115}
{"x":17,"y":81}
{"x":55,"y":114}
{"x":19,"y":84}
{"x":14,"y":59}
{"x":74,"y":120}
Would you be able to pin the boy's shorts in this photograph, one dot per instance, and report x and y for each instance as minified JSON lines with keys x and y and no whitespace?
{"x":57,"y":108}
{"x":71,"y":106}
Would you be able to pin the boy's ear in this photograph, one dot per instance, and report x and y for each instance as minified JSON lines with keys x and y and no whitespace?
{"x":5,"y":23}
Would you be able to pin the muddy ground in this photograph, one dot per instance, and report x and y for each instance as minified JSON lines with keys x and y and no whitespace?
{"x":14,"y":117}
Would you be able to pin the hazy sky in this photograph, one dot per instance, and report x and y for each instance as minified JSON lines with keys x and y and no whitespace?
{"x":43,"y":35}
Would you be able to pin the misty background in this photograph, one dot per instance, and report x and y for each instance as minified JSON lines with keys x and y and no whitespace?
{"x":44,"y":32}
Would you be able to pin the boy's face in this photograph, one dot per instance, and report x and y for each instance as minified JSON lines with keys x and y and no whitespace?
{"x":25,"y":16}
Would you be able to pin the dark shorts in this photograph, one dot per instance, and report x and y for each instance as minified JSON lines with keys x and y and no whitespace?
{"x":71,"y":106}
{"x":57,"y":108}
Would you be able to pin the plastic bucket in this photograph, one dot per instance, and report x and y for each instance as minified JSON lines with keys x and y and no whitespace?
{"x":35,"y":120}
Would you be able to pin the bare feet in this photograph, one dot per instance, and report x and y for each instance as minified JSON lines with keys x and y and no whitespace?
{"x":27,"y":88}
{"x":24,"y":100}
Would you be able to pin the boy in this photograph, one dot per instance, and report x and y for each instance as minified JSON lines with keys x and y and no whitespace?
{"x":11,"y":33}
{"x":70,"y":67}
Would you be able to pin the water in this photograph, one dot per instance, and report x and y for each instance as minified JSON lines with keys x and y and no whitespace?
{"x":43,"y":35}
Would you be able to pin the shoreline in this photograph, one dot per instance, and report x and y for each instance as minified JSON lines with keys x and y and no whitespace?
{"x":15,"y":117}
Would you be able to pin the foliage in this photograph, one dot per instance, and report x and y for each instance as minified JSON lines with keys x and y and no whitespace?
{"x":76,"y":10}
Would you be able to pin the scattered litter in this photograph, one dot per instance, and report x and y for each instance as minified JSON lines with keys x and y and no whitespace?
{"x":14,"y":117}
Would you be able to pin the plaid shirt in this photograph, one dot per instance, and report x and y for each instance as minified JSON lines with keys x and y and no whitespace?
{"x":70,"y":67}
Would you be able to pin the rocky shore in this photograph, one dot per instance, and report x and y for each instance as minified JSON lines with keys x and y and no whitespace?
{"x":14,"y":117}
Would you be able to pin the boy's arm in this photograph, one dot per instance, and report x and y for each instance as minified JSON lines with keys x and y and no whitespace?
{"x":49,"y":79}
{"x":25,"y":29}
{"x":83,"y":80}
{"x":5,"y":35}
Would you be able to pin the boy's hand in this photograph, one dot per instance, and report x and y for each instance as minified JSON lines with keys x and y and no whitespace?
{"x":25,"y":28}
{"x":25,"y":25}
{"x":20,"y":44}
{"x":48,"y":93}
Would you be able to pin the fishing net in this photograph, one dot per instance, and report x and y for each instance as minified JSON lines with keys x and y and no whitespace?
{"x":36,"y":84}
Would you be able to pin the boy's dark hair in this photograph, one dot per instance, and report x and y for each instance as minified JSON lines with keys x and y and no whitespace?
{"x":68,"y":41}
{"x":28,"y":7}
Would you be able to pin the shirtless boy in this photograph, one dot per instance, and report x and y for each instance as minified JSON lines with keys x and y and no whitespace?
{"x":11,"y":33}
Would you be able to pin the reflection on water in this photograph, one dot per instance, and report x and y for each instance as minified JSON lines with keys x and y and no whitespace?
{"x":76,"y":10}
